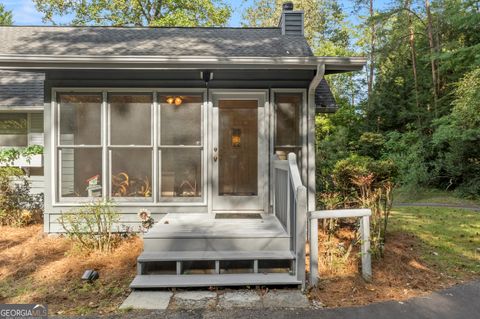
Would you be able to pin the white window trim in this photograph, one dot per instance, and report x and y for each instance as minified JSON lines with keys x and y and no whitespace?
{"x":58,"y":201}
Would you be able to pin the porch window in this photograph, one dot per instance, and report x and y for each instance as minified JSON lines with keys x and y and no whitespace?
{"x":13,"y":129}
{"x":130,"y":145}
{"x":180,"y":147}
{"x":79,"y":140}
{"x":288,"y":108}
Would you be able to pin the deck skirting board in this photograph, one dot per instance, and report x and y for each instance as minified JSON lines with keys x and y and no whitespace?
{"x":166,"y":281}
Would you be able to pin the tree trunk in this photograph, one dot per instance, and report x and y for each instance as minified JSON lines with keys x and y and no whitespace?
{"x":372,"y":50}
{"x":432,"y":55}
{"x":413,"y":51}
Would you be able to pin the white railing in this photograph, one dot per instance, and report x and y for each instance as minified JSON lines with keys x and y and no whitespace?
{"x":364,"y":215}
{"x":290,"y":207}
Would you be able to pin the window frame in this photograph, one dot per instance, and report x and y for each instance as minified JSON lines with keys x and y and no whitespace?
{"x":25,"y":134}
{"x":156,"y":199}
{"x":58,"y":147}
{"x":111,"y":147}
{"x":203,"y":129}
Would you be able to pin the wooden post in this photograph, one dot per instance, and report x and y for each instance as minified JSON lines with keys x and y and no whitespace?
{"x":365,"y":250}
{"x":301,"y":232}
{"x":313,"y":240}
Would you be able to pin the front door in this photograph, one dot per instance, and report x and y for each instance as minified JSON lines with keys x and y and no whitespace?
{"x":239,"y":152}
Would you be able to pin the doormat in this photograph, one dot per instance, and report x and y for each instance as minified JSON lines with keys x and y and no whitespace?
{"x":237,"y":216}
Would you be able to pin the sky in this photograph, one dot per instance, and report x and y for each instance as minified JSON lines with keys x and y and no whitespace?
{"x":24,"y":12}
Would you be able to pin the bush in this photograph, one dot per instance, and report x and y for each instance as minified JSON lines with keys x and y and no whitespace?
{"x":91,"y":226}
{"x":17,"y":206}
{"x":368,"y":183}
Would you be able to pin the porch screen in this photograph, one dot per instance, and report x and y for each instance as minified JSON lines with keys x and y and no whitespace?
{"x":79,"y":140}
{"x":180,"y":147}
{"x":287,"y":123}
{"x":130,"y":145}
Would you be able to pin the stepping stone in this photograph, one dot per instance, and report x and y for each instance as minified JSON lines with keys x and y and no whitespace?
{"x":152,"y":300}
{"x":194,"y":300}
{"x":285,"y":299}
{"x":240,"y":299}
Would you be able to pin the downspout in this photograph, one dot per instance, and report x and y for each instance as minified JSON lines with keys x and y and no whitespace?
{"x":311,"y":172}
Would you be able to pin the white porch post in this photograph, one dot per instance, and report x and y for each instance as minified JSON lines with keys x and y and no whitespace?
{"x":365,"y":248}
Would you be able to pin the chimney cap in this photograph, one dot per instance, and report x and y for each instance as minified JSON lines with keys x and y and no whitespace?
{"x":287,"y":6}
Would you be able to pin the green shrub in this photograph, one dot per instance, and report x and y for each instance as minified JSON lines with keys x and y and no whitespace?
{"x":365,"y":182}
{"x":17,"y":206}
{"x":91,"y":227}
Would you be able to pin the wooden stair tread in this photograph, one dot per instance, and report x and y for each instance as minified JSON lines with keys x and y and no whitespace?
{"x":214,"y":255}
{"x":166,"y":281}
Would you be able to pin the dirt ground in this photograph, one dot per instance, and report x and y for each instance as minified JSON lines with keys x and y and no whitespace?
{"x":35,"y":268}
{"x":399,"y":275}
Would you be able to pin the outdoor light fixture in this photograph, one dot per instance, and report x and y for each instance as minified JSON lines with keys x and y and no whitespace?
{"x":90,"y":275}
{"x":177,"y":100}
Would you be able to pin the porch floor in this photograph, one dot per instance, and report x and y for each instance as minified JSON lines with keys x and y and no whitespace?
{"x":206,"y":226}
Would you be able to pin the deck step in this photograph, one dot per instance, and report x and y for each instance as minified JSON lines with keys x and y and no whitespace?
{"x":168,"y":281}
{"x":150,"y":256}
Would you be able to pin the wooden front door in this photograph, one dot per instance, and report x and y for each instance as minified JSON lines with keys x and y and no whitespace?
{"x":239,"y":152}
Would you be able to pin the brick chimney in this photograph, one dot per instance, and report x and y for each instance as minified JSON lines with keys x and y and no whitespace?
{"x":291,"y":21}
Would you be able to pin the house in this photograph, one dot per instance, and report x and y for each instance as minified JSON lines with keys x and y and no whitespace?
{"x":211,"y":129}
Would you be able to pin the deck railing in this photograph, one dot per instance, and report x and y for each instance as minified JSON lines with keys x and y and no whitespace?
{"x":363,"y":215}
{"x":290,"y":207}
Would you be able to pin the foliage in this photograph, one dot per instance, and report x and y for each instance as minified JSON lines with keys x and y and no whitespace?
{"x":137,"y":12}
{"x":368,"y":183}
{"x":457,"y":137}
{"x":18,"y":207}
{"x":9,"y":155}
{"x":6,"y":17}
{"x":91,"y":227}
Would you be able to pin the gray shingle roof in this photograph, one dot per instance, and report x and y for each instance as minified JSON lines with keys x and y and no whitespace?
{"x":21,"y":88}
{"x":26,"y":89}
{"x":111,"y":41}
{"x":324,"y":99}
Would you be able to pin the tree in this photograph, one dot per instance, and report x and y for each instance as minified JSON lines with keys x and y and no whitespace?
{"x":185,"y":13}
{"x":5,"y":16}
{"x":325,"y":26}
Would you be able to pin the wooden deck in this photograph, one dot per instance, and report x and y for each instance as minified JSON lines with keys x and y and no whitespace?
{"x":182,"y":244}
{"x":206,"y":226}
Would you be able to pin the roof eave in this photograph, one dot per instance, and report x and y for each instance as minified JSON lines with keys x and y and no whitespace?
{"x":45,"y":62}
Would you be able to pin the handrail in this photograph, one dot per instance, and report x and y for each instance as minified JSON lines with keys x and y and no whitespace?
{"x":290,"y":207}
{"x":364,"y":215}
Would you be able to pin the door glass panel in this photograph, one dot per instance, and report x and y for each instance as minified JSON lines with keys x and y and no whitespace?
{"x":238,"y":148}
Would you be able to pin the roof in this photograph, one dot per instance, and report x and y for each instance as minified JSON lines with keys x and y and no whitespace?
{"x":121,"y":41}
{"x":43,"y":47}
{"x":51,"y":47}
{"x":324,"y":99}
{"x":21,"y":89}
